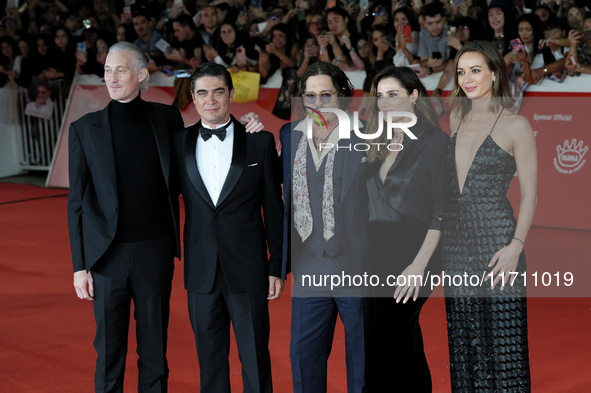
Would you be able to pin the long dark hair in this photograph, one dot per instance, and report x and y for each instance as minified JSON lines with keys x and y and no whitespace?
{"x":373,"y":50}
{"x":412,"y":19}
{"x":508,"y":27}
{"x":15,"y":50}
{"x":423,"y":109}
{"x":282,"y":27}
{"x":537,"y":28}
{"x":227,"y":52}
{"x":501,"y":92}
{"x":341,"y":83}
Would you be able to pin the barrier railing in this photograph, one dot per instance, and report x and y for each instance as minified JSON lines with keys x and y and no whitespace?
{"x":39,"y":134}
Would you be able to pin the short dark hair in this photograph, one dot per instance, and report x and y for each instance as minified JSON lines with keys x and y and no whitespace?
{"x":185,"y":20}
{"x":432,"y":10}
{"x":211,"y":69}
{"x":339,"y":11}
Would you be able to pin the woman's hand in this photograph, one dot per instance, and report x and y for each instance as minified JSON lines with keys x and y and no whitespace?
{"x":400,"y":39}
{"x":311,"y":51}
{"x":382,"y":48}
{"x":571,"y":64}
{"x":331,"y":39}
{"x":81,"y":57}
{"x":510,"y":58}
{"x":413,"y":278}
{"x":290,"y":14}
{"x":254,"y":13}
{"x":453,"y":41}
{"x":210,"y":53}
{"x":574,"y":37}
{"x":521,"y":57}
{"x":270,"y":48}
{"x":504,"y":262}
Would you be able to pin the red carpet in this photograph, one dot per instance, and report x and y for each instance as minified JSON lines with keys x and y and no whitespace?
{"x":12,"y":192}
{"x":46,"y":333}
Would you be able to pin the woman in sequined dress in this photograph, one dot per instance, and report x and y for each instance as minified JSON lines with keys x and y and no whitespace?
{"x":487,"y":326}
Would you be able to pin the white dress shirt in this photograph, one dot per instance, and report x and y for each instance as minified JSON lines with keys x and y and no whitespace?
{"x":213,"y":161}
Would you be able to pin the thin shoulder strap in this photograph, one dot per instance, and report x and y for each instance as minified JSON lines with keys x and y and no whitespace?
{"x":493,"y":127}
{"x":458,"y":129}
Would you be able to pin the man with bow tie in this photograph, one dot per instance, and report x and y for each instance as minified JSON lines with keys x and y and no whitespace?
{"x":227,"y":177}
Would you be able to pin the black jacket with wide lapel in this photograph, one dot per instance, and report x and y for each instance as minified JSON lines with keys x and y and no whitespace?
{"x":93,"y":180}
{"x":232,"y":232}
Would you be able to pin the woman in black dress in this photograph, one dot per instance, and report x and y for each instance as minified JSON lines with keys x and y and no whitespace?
{"x":407,"y":190}
{"x":487,"y":327}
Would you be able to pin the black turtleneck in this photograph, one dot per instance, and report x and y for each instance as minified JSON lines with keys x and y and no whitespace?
{"x":144,"y":210}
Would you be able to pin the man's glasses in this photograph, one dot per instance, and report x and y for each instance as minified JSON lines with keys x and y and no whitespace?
{"x":325,"y":97}
{"x":317,"y":24}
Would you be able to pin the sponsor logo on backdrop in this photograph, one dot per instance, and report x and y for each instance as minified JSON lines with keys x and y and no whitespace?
{"x":554,"y":117}
{"x":570,"y":156}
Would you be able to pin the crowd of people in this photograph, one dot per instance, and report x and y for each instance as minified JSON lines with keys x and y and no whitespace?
{"x":49,"y":41}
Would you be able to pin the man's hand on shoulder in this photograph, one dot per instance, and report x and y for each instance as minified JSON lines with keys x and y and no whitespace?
{"x":276,"y":286}
{"x":84,"y":285}
{"x":251,"y":122}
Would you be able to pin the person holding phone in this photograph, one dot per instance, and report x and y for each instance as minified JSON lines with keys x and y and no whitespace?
{"x":380,"y":54}
{"x":188,"y":43}
{"x":147,"y":37}
{"x":433,"y":49}
{"x":579,"y":54}
{"x":528,"y":56}
{"x":281,"y":53}
{"x":501,"y":26}
{"x":333,"y":44}
{"x":463,"y":30}
{"x":232,"y":50}
{"x":209,"y":23}
{"x":407,"y":37}
{"x":315,"y":25}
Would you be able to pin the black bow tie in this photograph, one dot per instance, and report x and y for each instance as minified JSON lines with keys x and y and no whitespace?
{"x":220,"y":132}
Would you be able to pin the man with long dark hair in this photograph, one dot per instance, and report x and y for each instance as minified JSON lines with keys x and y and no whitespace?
{"x":327,"y":224}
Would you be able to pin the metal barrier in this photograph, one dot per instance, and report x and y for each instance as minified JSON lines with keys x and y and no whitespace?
{"x":39,"y":135}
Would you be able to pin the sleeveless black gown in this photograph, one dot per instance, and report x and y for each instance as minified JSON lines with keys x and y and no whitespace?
{"x":487,"y":328}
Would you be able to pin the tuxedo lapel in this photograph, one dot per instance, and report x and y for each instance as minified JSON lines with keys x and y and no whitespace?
{"x":191,"y":163}
{"x":238,"y":161}
{"x":160,"y":128}
{"x":101,"y":131}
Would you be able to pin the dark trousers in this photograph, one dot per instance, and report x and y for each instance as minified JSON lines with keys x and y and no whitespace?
{"x":396,"y":360}
{"x":313,"y":322}
{"x":141,"y":271}
{"x":211,"y":314}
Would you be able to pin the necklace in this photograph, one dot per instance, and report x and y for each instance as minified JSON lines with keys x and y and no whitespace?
{"x":318,"y":141}
{"x":398,"y":136}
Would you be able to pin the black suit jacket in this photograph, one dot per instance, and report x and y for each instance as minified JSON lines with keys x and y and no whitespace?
{"x":93,"y":200}
{"x":234,"y":231}
{"x":354,"y":203}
